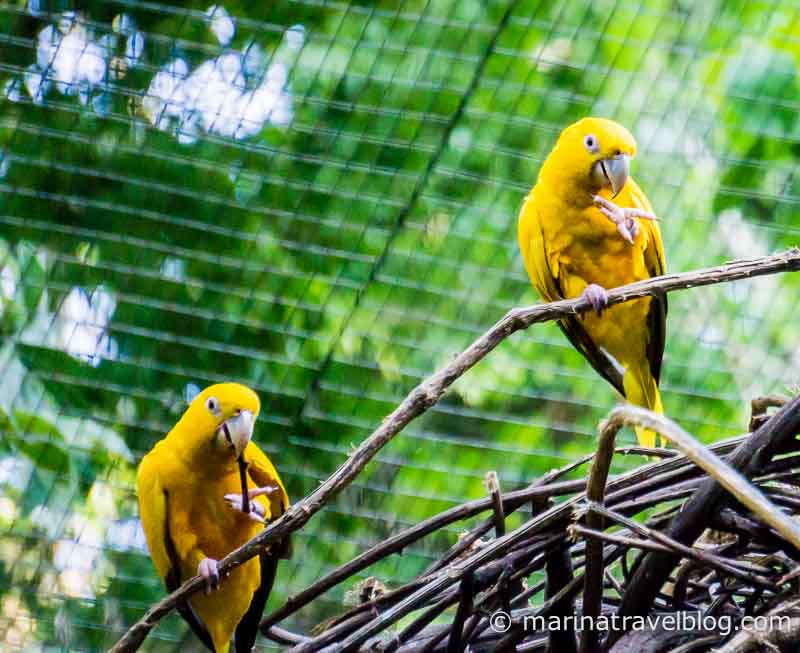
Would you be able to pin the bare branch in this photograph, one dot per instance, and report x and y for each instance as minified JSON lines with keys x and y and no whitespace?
{"x":747,"y":494}
{"x":493,"y":487}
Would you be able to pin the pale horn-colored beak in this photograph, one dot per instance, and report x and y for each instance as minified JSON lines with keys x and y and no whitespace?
{"x":612,"y":172}
{"x":237,"y":431}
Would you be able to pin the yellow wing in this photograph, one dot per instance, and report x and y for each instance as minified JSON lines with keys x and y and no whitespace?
{"x":656,"y":264}
{"x":534,"y":254}
{"x":153,"y":512}
{"x":545,"y":280}
{"x":263,"y":472}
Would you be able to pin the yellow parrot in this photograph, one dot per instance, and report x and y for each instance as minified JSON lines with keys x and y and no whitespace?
{"x":576,"y":241}
{"x":190,"y":501}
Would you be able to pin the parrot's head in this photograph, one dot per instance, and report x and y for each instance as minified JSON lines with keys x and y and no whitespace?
{"x":592,"y":154}
{"x":220,"y":419}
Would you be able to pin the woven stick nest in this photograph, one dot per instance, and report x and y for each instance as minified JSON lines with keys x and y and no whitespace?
{"x":679,"y":555}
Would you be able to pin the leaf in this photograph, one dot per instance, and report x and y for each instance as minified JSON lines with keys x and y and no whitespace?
{"x":41,"y":441}
{"x":44,"y":453}
{"x":32,"y":276}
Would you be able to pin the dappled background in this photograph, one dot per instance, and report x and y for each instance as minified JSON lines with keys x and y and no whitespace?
{"x":319,"y":199}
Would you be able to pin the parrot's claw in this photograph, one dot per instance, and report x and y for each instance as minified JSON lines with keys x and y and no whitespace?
{"x":625,"y":219}
{"x":208,"y":570}
{"x":597,"y":297}
{"x":257,"y":512}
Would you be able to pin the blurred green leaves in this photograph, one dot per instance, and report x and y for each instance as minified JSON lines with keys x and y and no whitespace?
{"x":140,"y":258}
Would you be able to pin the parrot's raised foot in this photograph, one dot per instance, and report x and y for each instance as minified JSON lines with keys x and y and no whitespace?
{"x":257,"y":512}
{"x":597,"y":297}
{"x":625,"y":219}
{"x":208,"y":570}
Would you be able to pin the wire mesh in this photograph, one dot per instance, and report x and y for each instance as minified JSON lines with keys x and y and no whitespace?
{"x":320,"y":200}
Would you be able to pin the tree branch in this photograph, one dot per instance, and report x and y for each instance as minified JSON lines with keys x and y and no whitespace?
{"x":427,"y":393}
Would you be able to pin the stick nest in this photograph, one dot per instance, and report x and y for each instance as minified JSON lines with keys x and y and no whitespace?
{"x":663,"y":558}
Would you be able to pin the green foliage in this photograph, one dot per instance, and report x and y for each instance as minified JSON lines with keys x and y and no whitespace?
{"x":337,"y":249}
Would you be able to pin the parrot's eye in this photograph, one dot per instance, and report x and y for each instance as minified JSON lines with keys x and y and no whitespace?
{"x":590,"y":141}
{"x":212,"y":403}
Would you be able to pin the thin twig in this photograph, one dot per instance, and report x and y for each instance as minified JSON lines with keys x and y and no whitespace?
{"x":674,"y":469}
{"x":538,"y":503}
{"x":559,"y":574}
{"x":707,"y":559}
{"x":759,"y":406}
{"x":596,"y":492}
{"x":744,"y":492}
{"x":493,"y":487}
{"x":464,"y":610}
{"x":614,"y":538}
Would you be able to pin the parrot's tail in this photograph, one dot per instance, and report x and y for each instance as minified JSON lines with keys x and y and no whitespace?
{"x":641,"y":389}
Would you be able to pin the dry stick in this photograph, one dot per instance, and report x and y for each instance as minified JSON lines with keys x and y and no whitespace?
{"x":341,"y":629}
{"x":243,"y":480}
{"x":491,"y":574}
{"x":493,"y":487}
{"x":744,"y":492}
{"x":285,"y":637}
{"x":759,"y":406}
{"x":565,"y":595}
{"x":478,"y":623}
{"x":421,"y":622}
{"x":595,"y":569}
{"x":484,"y":577}
{"x":730,"y":567}
{"x":614,"y":538}
{"x":393,"y":544}
{"x":462,"y":612}
{"x":538,"y":492}
{"x":680,"y":467}
{"x":431,"y":644}
{"x":730,"y":521}
{"x":443,"y":632}
{"x":559,"y":574}
{"x":453,"y":574}
{"x":750,"y":457}
{"x":427,"y":393}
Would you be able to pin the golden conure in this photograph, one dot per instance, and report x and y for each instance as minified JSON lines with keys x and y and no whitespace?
{"x":587,"y":226}
{"x":190,"y":501}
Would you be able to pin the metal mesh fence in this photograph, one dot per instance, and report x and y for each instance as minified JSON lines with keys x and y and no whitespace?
{"x":319,"y":199}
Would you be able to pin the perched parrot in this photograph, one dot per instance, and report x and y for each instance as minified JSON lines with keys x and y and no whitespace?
{"x":576,"y":241}
{"x":192,"y":510}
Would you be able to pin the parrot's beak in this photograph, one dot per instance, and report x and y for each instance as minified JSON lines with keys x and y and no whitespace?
{"x":236,"y":431}
{"x":612,"y":172}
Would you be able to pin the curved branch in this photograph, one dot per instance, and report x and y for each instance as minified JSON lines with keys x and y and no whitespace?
{"x":749,"y":458}
{"x":744,"y":492}
{"x":427,"y":393}
{"x":595,"y":569}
